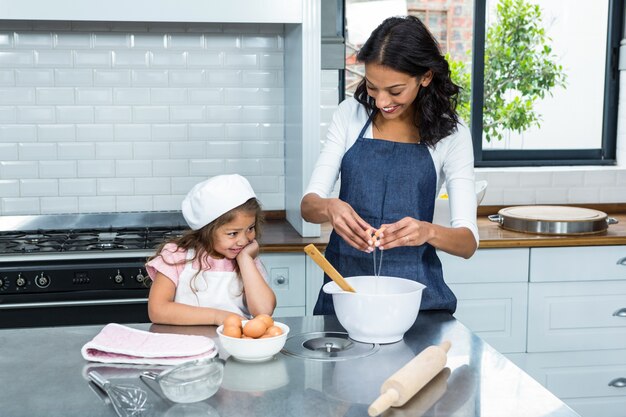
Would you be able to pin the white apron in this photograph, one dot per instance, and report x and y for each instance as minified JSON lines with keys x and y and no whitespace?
{"x":215,"y":289}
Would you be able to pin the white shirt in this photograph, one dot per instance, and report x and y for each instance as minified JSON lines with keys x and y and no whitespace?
{"x":453,"y":157}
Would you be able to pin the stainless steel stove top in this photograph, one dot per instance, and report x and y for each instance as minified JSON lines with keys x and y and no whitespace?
{"x":85,"y":240}
{"x":79,"y":233}
{"x":79,"y":268}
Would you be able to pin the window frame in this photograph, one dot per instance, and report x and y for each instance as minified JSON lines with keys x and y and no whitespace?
{"x":606,"y":155}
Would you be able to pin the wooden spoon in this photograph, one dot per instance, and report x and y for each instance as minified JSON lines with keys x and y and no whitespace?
{"x":330,"y":270}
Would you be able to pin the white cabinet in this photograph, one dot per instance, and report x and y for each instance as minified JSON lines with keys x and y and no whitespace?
{"x":287,"y":277}
{"x":492,"y":289}
{"x":577,"y":326}
{"x":558,"y":313}
{"x":588,"y":381}
{"x":583,"y":263}
{"x":494,"y":311}
{"x":568,"y":316}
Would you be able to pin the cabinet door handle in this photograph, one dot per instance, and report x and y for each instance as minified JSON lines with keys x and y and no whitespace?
{"x":622,"y":261}
{"x":620,"y":313}
{"x":618,"y":383}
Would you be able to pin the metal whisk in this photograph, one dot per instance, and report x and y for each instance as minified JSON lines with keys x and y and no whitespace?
{"x":128,"y":400}
{"x":380,"y":261}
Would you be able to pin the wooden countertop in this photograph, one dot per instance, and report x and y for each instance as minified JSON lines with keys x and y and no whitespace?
{"x":493,"y":236}
{"x":280,"y":236}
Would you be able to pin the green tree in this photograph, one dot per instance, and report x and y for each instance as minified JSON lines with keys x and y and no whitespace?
{"x":520,"y":68}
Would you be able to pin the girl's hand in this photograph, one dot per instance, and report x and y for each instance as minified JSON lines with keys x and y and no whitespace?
{"x":251,"y":250}
{"x":405,"y":232}
{"x":349,"y":225}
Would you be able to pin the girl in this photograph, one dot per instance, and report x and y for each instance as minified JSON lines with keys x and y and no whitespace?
{"x":213,"y":269}
{"x":395,"y":143}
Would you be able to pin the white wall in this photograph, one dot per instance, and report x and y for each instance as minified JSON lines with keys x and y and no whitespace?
{"x":103,"y":117}
{"x":128,"y":117}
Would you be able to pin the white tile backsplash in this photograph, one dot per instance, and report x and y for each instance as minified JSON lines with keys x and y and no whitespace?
{"x":7,"y":77}
{"x":37,"y":151}
{"x":18,"y":133}
{"x":20,"y":205}
{"x":53,"y":59}
{"x":10,"y":188}
{"x":170,"y":168}
{"x":9,"y":151}
{"x":133,"y":168}
{"x":53,"y":205}
{"x":135,"y":203}
{"x":55,"y":95}
{"x":77,"y":187}
{"x":14,"y":96}
{"x":130,"y":116}
{"x":73,"y":77}
{"x":57,"y":169}
{"x":92,"y":59}
{"x":39,"y":187}
{"x":57,"y":133}
{"x":96,"y":204}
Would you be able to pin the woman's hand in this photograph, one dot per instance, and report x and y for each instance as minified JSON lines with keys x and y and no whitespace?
{"x":349,"y":225}
{"x":251,"y":250}
{"x":405,"y":232}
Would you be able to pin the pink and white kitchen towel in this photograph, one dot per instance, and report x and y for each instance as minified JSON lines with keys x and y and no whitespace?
{"x":121,"y":344}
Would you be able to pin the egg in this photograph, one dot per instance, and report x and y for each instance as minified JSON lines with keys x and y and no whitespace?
{"x":232,"y":320}
{"x":232,"y":331}
{"x":267,"y":319}
{"x":254,"y":328}
{"x":273,"y":331}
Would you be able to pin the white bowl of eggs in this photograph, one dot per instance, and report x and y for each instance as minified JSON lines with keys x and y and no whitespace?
{"x":255,"y":340}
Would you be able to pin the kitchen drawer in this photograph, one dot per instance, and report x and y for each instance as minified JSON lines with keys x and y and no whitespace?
{"x":487,"y":265}
{"x":599,"y":406}
{"x":570,"y":316}
{"x":287,"y":278}
{"x":495,"y":312}
{"x":584,"y":263}
{"x":581,"y":379}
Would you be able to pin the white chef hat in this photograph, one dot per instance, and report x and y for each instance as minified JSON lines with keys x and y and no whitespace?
{"x":211,"y":198}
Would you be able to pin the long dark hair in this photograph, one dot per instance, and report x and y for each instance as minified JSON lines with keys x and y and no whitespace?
{"x":406,"y":45}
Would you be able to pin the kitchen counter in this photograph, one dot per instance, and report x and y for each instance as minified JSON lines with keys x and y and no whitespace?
{"x":43,"y":373}
{"x":279,"y":236}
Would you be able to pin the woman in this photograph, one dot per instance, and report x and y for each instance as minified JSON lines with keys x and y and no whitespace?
{"x":395,"y":143}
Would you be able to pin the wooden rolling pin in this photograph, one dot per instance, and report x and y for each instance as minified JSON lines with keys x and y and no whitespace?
{"x":330,"y":270}
{"x":406,"y":382}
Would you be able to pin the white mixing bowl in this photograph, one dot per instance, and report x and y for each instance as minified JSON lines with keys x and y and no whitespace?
{"x":380,"y":311}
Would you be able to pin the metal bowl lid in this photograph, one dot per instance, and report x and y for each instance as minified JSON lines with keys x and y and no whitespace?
{"x":553,"y":213}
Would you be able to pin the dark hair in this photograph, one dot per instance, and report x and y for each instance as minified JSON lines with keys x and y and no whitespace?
{"x":201,"y":240}
{"x":406,"y":45}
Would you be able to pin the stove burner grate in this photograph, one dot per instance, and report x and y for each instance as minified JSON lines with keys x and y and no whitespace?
{"x":85,"y":239}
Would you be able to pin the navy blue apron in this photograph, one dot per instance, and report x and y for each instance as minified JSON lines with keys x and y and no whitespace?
{"x":385,"y":181}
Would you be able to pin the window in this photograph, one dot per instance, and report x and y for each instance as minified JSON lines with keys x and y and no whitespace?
{"x":576,"y":120}
{"x":540,"y":77}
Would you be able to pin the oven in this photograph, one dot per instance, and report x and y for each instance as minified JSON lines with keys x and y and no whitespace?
{"x":79,"y":269}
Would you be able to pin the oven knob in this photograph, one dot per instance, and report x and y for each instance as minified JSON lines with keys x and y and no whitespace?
{"x":140,"y":278}
{"x":42,"y":281}
{"x":4,"y":283}
{"x":20,"y":281}
{"x":118,"y":278}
